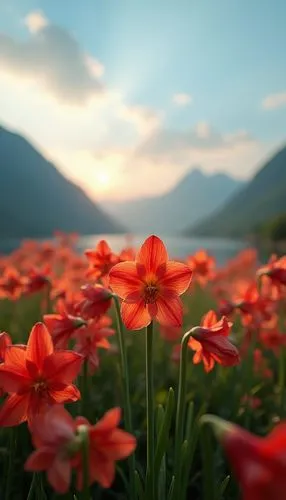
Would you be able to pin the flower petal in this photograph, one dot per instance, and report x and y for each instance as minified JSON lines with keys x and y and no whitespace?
{"x":16,"y":358}
{"x":152,"y":254}
{"x":68,"y":394}
{"x":59,"y":475}
{"x":102,"y":470}
{"x":170,"y":311}
{"x":40,"y":459}
{"x":135,"y":316}
{"x":40,"y":345}
{"x":62,"y":367}
{"x":209,"y":319}
{"x":177,"y":277}
{"x":12,"y":381}
{"x":14,"y":410}
{"x":109,"y":421}
{"x":124,"y":279}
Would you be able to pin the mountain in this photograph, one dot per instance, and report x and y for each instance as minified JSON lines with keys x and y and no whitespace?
{"x":194,"y":197}
{"x":263,"y":198}
{"x":36,"y":199}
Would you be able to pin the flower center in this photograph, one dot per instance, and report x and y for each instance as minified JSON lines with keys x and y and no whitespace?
{"x":40,"y":386}
{"x":151,"y":292}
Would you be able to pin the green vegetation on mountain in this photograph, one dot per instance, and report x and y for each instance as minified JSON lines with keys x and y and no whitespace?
{"x":36,"y":199}
{"x":263,"y":198}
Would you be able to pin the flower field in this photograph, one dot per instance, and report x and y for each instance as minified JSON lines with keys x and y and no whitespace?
{"x":134,"y":376}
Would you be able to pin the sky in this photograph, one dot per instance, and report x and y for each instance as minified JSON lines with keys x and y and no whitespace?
{"x":127,"y":96}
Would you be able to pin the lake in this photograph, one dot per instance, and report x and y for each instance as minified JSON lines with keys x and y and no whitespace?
{"x":222,"y":249}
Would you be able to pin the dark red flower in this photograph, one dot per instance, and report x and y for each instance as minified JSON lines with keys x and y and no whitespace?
{"x":97,"y":301}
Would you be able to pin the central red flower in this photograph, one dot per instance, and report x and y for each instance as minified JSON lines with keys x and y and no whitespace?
{"x":150,"y":286}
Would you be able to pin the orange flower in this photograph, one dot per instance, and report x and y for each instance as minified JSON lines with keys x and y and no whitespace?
{"x":150,"y":286}
{"x":11,"y":284}
{"x":5,"y":342}
{"x":58,"y":442}
{"x":211,"y":343}
{"x":202,"y":264}
{"x":36,"y":377}
{"x":275,"y":270}
{"x":92,"y":337}
{"x":97,"y":301}
{"x":62,"y":326}
{"x":101,"y":260}
{"x":258,"y":463}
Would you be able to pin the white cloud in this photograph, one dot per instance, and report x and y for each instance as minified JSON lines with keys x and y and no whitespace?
{"x":53,"y":59}
{"x":35,"y":21}
{"x":274,"y":101}
{"x":145,"y":119}
{"x":182,"y":99}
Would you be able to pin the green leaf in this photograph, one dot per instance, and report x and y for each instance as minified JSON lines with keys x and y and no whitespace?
{"x":165,"y":420}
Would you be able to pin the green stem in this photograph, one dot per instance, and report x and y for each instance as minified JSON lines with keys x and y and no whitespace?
{"x":181,"y":410}
{"x":150,"y":483}
{"x":33,"y":487}
{"x":126,"y":392}
{"x":85,"y":464}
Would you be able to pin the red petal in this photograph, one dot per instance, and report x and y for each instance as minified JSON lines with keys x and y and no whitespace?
{"x":53,"y":427}
{"x":40,"y":460}
{"x":120,"y":445}
{"x":59,"y":475}
{"x":152,"y":254}
{"x":135,"y":316}
{"x":209,"y":319}
{"x":102,"y":470}
{"x":68,"y":394}
{"x":12,"y":381}
{"x":177,"y":277}
{"x":62,"y":367}
{"x":170,"y":311}
{"x":16,"y":358}
{"x":40,"y":345}
{"x":124,"y":280}
{"x":109,"y":421}
{"x":14,"y":410}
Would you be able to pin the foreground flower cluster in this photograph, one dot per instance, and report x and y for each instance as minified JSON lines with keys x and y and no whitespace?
{"x":192,"y":313}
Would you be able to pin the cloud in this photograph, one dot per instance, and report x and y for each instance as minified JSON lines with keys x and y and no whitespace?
{"x":274,"y":101}
{"x":182,"y":99}
{"x":53,"y":59}
{"x":35,"y":21}
{"x":145,"y":119}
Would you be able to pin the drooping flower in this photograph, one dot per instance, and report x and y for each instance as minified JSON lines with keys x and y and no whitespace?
{"x":150,"y":286}
{"x":101,"y":260}
{"x":62,"y":326}
{"x":211,"y":343}
{"x":96,"y":301}
{"x":58,"y":442}
{"x":258,"y":463}
{"x":36,"y":377}
{"x":92,"y":337}
{"x":36,"y":280}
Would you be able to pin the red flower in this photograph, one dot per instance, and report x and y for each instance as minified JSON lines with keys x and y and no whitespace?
{"x":62,"y":326}
{"x":258,"y":463}
{"x":58,"y":442}
{"x":275,"y":270}
{"x":5,"y":342}
{"x":211,"y":343}
{"x":101,"y":260}
{"x":272,"y":339}
{"x":202,"y":265}
{"x":97,"y":301}
{"x":260,"y":364}
{"x":36,"y":377}
{"x":11,"y":284}
{"x":36,"y":281}
{"x":150,"y":286}
{"x":92,"y":337}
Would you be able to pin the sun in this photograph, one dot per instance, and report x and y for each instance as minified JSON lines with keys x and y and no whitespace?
{"x":103,"y":179}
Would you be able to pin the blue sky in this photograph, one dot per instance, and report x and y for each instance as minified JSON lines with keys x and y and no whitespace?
{"x":182,"y":83}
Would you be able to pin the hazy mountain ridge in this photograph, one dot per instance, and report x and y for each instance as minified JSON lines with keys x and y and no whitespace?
{"x":261,"y":199}
{"x":194,"y":197}
{"x":36,"y":199}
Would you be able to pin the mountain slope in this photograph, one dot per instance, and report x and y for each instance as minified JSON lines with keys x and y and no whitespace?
{"x":194,"y":197}
{"x":35,"y":199}
{"x":261,"y":199}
